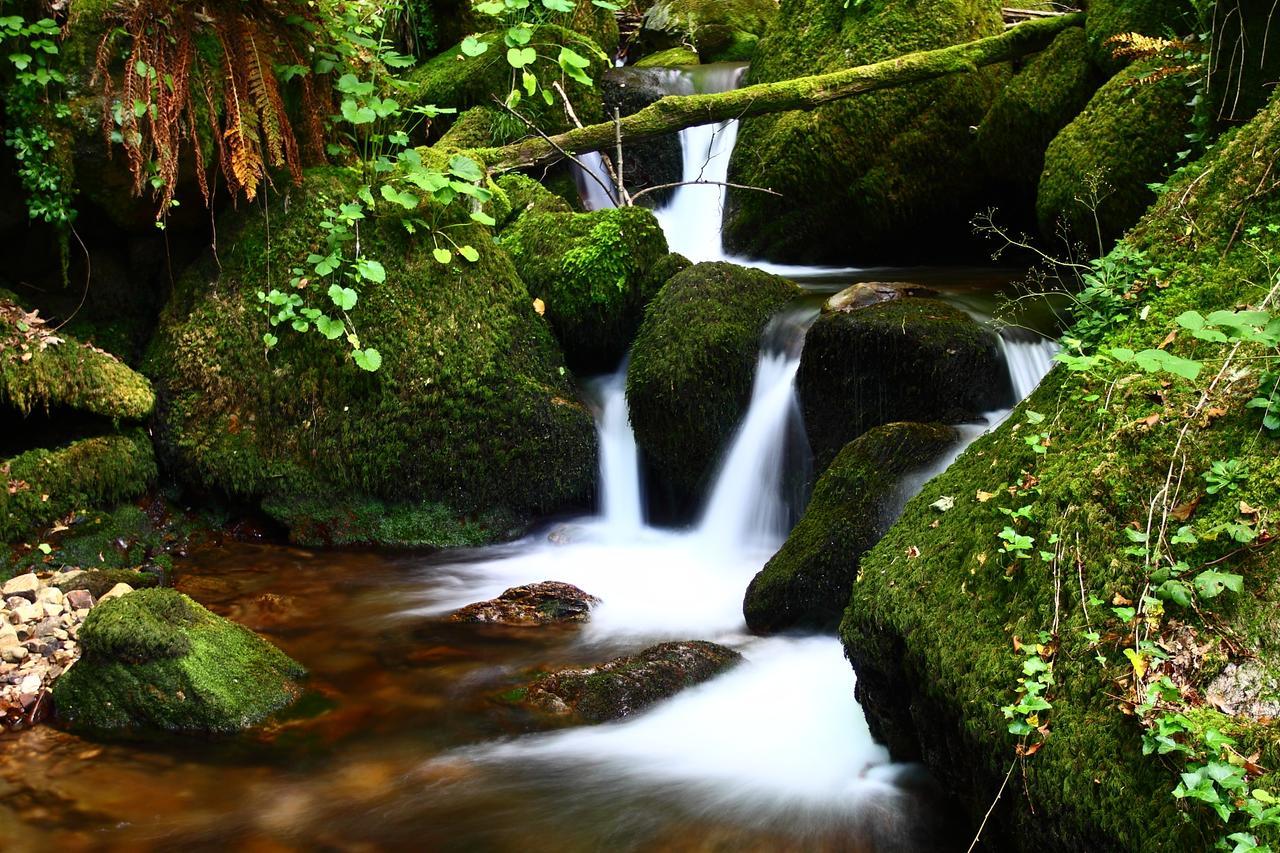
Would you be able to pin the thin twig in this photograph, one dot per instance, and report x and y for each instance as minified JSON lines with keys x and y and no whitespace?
{"x":974,"y":844}
{"x":648,"y":190}
{"x":571,"y":158}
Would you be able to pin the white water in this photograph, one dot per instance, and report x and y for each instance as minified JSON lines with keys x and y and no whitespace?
{"x":621,"y":497}
{"x":1029,"y":357}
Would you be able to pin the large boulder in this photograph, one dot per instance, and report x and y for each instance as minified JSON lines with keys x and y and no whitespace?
{"x":625,"y":685}
{"x":909,"y":359}
{"x":692,"y":365}
{"x":719,"y":30}
{"x":864,"y":177}
{"x":807,"y":583}
{"x":948,"y":621}
{"x":1041,"y":99}
{"x":1097,"y":171}
{"x":155,"y":661}
{"x":471,"y":409}
{"x":594,"y":273}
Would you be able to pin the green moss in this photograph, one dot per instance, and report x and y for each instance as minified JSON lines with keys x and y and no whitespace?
{"x":592,"y":271}
{"x":718,"y":30}
{"x":693,"y":361}
{"x":1126,"y":138}
{"x":727,"y":45}
{"x":910,"y":359}
{"x":1040,"y":100}
{"x":471,"y":408}
{"x":931,"y":621}
{"x":154,"y":660}
{"x":98,"y":582}
{"x":671,"y":58}
{"x":40,"y":370}
{"x":806,"y":584}
{"x":367,"y":521}
{"x":861,"y":178}
{"x":528,"y":196}
{"x":1107,"y":18}
{"x":89,"y":472}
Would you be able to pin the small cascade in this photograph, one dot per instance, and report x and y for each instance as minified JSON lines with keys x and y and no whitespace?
{"x":621,"y":498}
{"x":595,"y":187}
{"x":1029,"y":357}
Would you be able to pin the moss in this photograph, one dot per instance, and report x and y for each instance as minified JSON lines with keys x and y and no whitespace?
{"x":909,"y":359}
{"x":723,"y":44}
{"x":1109,"y":18}
{"x":931,"y":620}
{"x":1037,"y":103}
{"x":592,"y":271}
{"x":99,"y":582}
{"x":1126,"y":138}
{"x":41,"y":370}
{"x":713,"y":28}
{"x":806,"y":584}
{"x":471,"y":408}
{"x":368,"y":521}
{"x":692,"y":365}
{"x":154,"y":660}
{"x":47,"y":484}
{"x":453,"y":79}
{"x":482,"y":127}
{"x":671,"y":58}
{"x":528,"y":196}
{"x":861,"y":178}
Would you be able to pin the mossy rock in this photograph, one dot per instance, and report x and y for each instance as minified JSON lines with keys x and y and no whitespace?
{"x":453,"y":79}
{"x":909,"y":359}
{"x":471,"y":408}
{"x":525,"y":195}
{"x":1040,"y":100}
{"x":931,"y":623}
{"x":716,"y":29}
{"x":1108,"y":18}
{"x":98,"y":582}
{"x":46,"y":484}
{"x":862,"y":178}
{"x":156,"y":661}
{"x":626,"y":685}
{"x":671,"y":58}
{"x":361,"y":520}
{"x":1127,"y":138}
{"x":693,"y":362}
{"x":652,"y":162}
{"x":593,"y":272}
{"x":806,"y":584}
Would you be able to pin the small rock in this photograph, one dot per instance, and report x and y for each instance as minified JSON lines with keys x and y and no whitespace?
{"x":871,"y":292}
{"x":14,"y":654}
{"x":14,"y":601}
{"x":49,"y":595}
{"x":45,"y":628}
{"x":533,"y":604}
{"x":120,"y":589}
{"x":51,"y":610}
{"x":79,"y":599}
{"x":23,"y":586}
{"x":29,"y":613}
{"x":30,"y":684}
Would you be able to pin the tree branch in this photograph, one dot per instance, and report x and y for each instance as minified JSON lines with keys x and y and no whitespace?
{"x":676,"y":112}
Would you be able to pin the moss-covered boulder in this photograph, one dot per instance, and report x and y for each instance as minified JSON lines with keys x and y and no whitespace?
{"x":625,"y":685}
{"x":1041,"y":99}
{"x":594,"y":274}
{"x":1109,"y":18}
{"x":692,"y":365}
{"x":1127,"y":138}
{"x":719,"y":30}
{"x":525,"y":195}
{"x":906,"y":360}
{"x":864,"y":177}
{"x":806,"y":584}
{"x":674,"y":57}
{"x":471,"y":408}
{"x":944,"y":620}
{"x":155,"y":661}
{"x":652,"y":162}
{"x":98,"y":582}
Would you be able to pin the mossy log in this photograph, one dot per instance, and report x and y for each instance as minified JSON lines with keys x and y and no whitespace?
{"x":677,"y":112}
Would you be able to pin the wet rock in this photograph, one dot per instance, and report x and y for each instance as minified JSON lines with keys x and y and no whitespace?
{"x":534,"y":604}
{"x":868,"y":293}
{"x":22,"y":586}
{"x":100,"y":581}
{"x":653,"y":162}
{"x":626,"y":685}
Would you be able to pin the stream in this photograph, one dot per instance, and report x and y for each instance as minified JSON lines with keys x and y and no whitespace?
{"x":400,"y":747}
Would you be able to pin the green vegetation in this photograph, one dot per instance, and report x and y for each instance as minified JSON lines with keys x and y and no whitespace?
{"x":717,"y":30}
{"x":155,"y":661}
{"x":692,"y":365}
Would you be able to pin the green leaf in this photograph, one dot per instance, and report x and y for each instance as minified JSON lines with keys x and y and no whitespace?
{"x":472,"y":46}
{"x":367,"y":359}
{"x":573,"y":64}
{"x":270,"y":340}
{"x":465,"y":168}
{"x":443,"y":255}
{"x":530,"y":83}
{"x":469,"y":253}
{"x":344,"y":297}
{"x":519,"y":35}
{"x":20,"y":60}
{"x":483,"y":218}
{"x":519,"y":57}
{"x":407,"y":200}
{"x":371,"y":270}
{"x":1211,"y":584}
{"x":44,"y":548}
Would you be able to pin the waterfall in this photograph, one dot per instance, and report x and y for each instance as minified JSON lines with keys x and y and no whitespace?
{"x":621,"y":498}
{"x":595,"y":187}
{"x":1029,"y":357}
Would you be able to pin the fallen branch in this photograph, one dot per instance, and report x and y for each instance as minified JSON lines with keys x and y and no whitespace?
{"x":732,"y":186}
{"x":676,"y":112}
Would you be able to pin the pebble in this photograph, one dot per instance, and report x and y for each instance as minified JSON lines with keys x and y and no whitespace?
{"x":23,"y":586}
{"x":79,"y":599}
{"x":14,"y":654}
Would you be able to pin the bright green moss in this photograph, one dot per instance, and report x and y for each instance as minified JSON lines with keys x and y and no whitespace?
{"x":1053,"y":87}
{"x":931,"y":620}
{"x":89,"y":472}
{"x":865,"y":176}
{"x":1126,"y":138}
{"x":692,"y":364}
{"x":806,"y":584}
{"x":592,"y":271}
{"x":471,"y":408}
{"x":528,"y":196}
{"x":718,"y":30}
{"x":670,"y":58}
{"x":155,"y":661}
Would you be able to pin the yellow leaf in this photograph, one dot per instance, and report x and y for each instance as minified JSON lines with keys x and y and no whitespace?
{"x":1138,"y":660}
{"x":983,"y":497}
{"x":540,"y":307}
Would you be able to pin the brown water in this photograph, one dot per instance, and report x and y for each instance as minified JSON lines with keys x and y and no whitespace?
{"x":373,"y":760}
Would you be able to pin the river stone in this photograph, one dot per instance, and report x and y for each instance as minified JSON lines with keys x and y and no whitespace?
{"x":80,"y":599}
{"x":533,"y":604}
{"x":910,"y":359}
{"x":117,"y":591}
{"x":807,"y":583}
{"x":24,"y":586}
{"x":628,"y":684}
{"x":868,"y":293}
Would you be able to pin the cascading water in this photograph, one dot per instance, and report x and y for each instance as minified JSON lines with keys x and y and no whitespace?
{"x":621,"y":498}
{"x":1029,"y":357}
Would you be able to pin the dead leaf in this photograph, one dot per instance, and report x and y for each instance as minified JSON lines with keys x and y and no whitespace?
{"x":1184,"y":511}
{"x":1168,"y":339}
{"x":540,"y":307}
{"x":983,"y":497}
{"x":913,"y":552}
{"x":1120,"y":601}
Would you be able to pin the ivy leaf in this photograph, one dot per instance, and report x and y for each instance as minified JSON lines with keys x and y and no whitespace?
{"x":270,"y":340}
{"x":367,"y":359}
{"x":519,"y":36}
{"x":519,"y":57}
{"x":443,"y":255}
{"x":344,"y":297}
{"x":332,"y":329}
